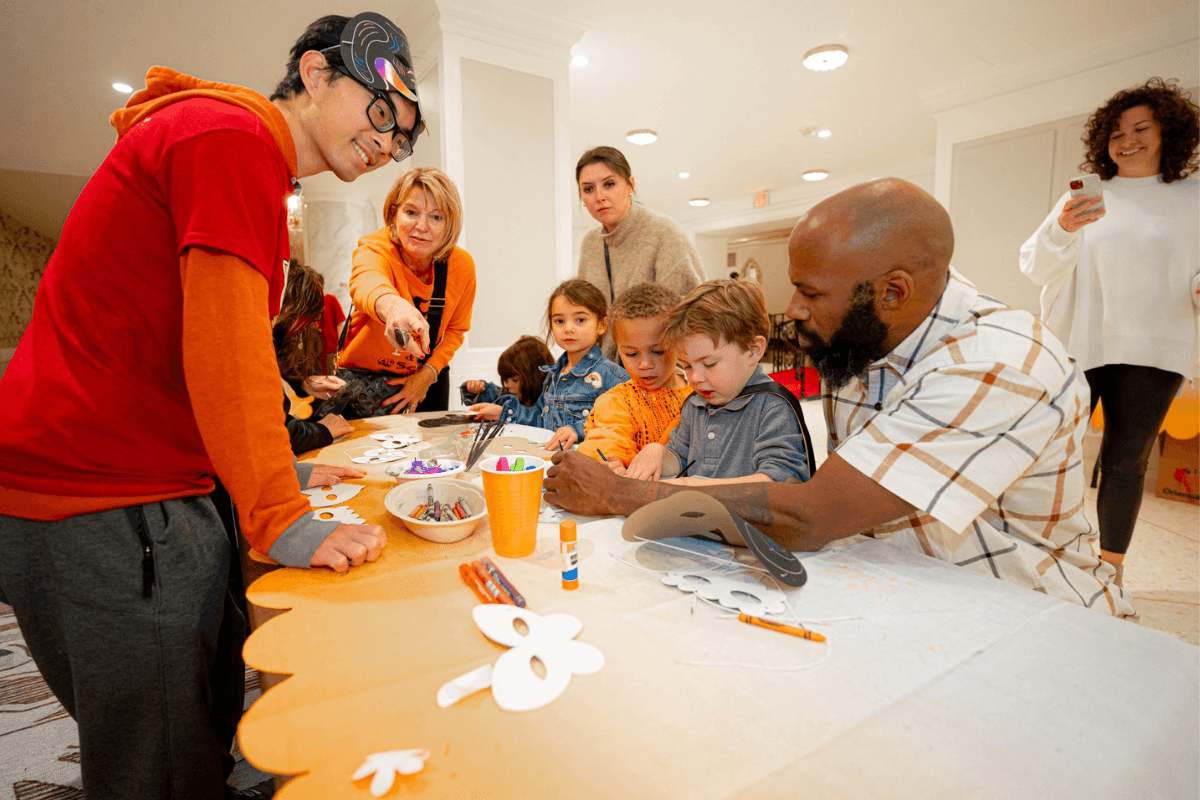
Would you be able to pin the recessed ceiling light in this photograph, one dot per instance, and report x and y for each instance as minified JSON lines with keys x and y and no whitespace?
{"x":683,"y":176}
{"x":699,"y":201}
{"x":826,"y":57}
{"x":123,"y":88}
{"x":580,"y":60}
{"x":815,"y":175}
{"x":824,"y":133}
{"x":642,"y":136}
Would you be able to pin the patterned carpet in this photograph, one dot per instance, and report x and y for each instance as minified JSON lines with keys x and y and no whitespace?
{"x":39,"y":743}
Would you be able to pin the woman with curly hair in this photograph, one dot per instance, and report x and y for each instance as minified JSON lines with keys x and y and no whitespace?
{"x":1120,"y":277}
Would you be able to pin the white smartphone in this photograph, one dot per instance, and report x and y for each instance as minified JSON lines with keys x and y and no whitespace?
{"x":1088,"y":186}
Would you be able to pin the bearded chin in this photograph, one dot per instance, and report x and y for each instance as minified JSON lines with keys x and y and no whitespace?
{"x":856,"y":344}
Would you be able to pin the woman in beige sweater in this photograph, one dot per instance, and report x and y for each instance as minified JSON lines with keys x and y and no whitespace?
{"x":634,"y":244}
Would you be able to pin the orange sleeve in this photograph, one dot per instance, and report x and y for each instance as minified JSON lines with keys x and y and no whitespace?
{"x":610,"y":427}
{"x":233,"y":381}
{"x":371,"y":278}
{"x":457,"y":325}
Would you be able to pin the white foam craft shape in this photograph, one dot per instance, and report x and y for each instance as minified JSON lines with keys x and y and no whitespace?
{"x":515,"y":686}
{"x":396,"y":439}
{"x":387,"y":457}
{"x":338,"y":514}
{"x":321,"y":496}
{"x":474,"y":681}
{"x":722,"y":589}
{"x":386,"y":766}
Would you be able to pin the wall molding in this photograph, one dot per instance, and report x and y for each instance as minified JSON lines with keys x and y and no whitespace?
{"x":1159,"y":34}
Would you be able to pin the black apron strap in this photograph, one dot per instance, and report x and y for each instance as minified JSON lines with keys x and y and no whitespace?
{"x":771,"y":387}
{"x":612,"y":297}
{"x":437,"y":304}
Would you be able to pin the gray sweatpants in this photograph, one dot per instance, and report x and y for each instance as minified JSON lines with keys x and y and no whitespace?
{"x":154,"y":682}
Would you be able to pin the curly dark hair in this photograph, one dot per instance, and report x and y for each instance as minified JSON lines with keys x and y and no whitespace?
{"x":1174,"y":111}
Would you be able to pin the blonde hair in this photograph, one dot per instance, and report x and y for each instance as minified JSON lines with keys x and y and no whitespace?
{"x":445,"y":195}
{"x":733,"y":311}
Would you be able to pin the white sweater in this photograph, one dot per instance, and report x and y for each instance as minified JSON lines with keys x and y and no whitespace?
{"x":1123,"y":290}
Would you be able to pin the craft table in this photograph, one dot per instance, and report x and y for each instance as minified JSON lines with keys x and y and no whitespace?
{"x":939,"y":683}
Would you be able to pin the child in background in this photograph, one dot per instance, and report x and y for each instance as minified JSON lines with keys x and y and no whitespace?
{"x":300,"y":352}
{"x":729,"y":431}
{"x":520,"y":372}
{"x":646,"y":408}
{"x":578,"y":316}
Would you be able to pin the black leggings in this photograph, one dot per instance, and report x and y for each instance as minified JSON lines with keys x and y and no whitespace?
{"x":1136,"y":400}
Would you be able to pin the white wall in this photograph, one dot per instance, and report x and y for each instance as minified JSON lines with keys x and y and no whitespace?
{"x":510,"y":198}
{"x":772,"y":258}
{"x":1005,"y":160}
{"x":1048,"y":101}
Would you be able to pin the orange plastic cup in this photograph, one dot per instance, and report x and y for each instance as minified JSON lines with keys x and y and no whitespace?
{"x":513,"y":501}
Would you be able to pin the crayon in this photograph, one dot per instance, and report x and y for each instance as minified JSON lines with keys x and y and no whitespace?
{"x":791,"y":630}
{"x":473,"y":583}
{"x":502,"y":464}
{"x":417,"y":514}
{"x":495,"y":591}
{"x":508,"y":588}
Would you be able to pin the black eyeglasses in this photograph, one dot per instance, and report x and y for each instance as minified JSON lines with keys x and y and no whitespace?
{"x":382,"y":114}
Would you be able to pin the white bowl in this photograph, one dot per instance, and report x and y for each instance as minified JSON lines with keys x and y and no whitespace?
{"x":399,"y":470}
{"x":411,"y":495}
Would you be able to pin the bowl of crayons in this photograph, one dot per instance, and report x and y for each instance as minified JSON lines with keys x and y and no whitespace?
{"x":440,"y":511}
{"x":416,"y":469}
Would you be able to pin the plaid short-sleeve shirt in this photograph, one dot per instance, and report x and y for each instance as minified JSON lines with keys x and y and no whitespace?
{"x":977,"y":419}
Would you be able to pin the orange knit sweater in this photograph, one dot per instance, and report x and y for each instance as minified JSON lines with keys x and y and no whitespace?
{"x":626,"y":418}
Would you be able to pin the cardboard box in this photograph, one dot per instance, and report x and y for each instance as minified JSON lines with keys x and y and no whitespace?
{"x":1179,"y":469}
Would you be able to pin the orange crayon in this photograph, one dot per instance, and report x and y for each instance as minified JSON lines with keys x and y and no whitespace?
{"x":498,"y":594}
{"x":791,"y":630}
{"x":473,"y":583}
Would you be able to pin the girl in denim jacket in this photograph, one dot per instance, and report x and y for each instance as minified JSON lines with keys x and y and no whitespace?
{"x":577,"y":315}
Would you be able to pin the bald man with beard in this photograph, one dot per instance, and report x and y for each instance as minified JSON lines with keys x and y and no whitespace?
{"x":955,"y":422}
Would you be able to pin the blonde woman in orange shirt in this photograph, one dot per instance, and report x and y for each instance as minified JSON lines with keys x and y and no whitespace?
{"x":646,"y":408}
{"x":399,"y":273}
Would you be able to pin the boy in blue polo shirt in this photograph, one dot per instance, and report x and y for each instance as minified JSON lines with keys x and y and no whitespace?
{"x":739,"y":426}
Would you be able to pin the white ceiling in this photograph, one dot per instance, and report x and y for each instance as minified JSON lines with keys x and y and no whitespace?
{"x":721,"y":82}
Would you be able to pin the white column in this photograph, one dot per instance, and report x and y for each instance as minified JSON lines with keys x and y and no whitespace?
{"x":495,"y":79}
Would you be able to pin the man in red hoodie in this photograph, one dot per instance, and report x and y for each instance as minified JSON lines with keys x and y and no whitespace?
{"x":147,"y":369}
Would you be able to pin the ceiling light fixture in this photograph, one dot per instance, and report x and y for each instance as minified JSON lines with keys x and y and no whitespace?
{"x":826,"y":57}
{"x":579,"y":60}
{"x":699,"y":201}
{"x":683,"y":176}
{"x":815,"y":175}
{"x":824,"y":133}
{"x":642,"y":136}
{"x":123,"y":88}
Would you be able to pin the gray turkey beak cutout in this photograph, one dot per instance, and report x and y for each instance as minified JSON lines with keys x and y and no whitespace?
{"x":697,"y":514}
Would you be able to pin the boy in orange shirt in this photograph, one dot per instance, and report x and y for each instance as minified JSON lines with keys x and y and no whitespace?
{"x":644,"y":409}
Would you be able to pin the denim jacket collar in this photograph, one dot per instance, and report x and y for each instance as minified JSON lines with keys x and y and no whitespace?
{"x":586,"y":364}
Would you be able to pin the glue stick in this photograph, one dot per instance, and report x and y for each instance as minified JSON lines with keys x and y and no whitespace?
{"x":570,"y":558}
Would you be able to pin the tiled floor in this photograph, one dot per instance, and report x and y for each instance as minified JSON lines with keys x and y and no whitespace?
{"x":1162,"y":567}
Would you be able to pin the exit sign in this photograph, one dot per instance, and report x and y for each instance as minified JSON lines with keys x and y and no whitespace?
{"x":760,"y":199}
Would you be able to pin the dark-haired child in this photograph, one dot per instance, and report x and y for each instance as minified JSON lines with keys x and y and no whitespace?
{"x":577,"y":315}
{"x":520,"y":371}
{"x":299,"y":349}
